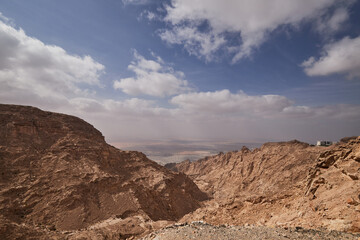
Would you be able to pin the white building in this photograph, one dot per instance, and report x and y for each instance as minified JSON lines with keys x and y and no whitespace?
{"x":324,"y":143}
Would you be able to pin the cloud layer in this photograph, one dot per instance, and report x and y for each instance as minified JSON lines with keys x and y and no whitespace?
{"x":202,"y":26}
{"x":243,"y":105}
{"x":46,"y":76}
{"x":31,"y":69}
{"x":224,"y":102}
{"x":341,"y":57}
{"x":152,"y":77}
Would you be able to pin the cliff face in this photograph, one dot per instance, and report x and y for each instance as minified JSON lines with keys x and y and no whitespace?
{"x":57,"y":172}
{"x":281,"y":184}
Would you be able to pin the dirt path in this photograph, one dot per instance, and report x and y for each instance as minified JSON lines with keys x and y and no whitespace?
{"x":199,"y":230}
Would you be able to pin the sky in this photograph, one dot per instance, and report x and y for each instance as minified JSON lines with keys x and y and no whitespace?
{"x":234,"y":70}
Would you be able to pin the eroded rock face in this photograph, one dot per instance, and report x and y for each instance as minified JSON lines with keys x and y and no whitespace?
{"x":281,"y":184}
{"x":58,"y":173}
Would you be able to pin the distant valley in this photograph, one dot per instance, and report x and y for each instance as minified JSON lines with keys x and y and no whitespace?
{"x":174,"y":151}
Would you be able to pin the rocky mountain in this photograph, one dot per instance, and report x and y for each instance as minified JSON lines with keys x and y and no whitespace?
{"x":281,"y":184}
{"x":60,"y":179}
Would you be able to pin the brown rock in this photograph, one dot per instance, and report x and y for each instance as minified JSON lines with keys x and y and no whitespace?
{"x":351,"y":201}
{"x":281,"y":184}
{"x":57,"y":172}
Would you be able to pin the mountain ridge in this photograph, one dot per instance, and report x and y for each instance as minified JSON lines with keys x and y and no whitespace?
{"x":281,"y":184}
{"x":59,"y":179}
{"x":58,"y":172}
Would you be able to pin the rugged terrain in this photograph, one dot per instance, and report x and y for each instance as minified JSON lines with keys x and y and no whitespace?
{"x":200,"y":230}
{"x":59,"y":178}
{"x":288,"y":184}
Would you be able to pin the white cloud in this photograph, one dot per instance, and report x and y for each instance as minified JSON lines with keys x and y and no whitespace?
{"x":149,"y":15}
{"x":341,"y":57}
{"x":338,"y":111}
{"x":195,"y":42}
{"x":7,"y":20}
{"x":33,"y":73}
{"x":225,"y":102}
{"x":128,"y":107}
{"x":253,"y":20}
{"x":28,"y":67}
{"x":333,"y":23}
{"x":214,"y":115}
{"x":46,"y":76}
{"x":152,"y":78}
{"x":135,"y":2}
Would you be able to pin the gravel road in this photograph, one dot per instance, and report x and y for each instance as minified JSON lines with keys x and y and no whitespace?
{"x":200,"y":230}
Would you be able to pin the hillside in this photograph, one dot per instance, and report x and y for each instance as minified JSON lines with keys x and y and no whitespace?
{"x":58,"y":176}
{"x":281,"y":184}
{"x":59,"y":179}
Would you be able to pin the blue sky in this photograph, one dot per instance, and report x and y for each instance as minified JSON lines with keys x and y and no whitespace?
{"x":142,"y":69}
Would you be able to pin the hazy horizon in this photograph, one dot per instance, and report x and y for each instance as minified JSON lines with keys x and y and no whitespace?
{"x":213,"y":71}
{"x":179,"y":150}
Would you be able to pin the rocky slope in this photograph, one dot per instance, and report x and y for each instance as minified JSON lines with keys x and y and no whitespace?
{"x":59,"y":178}
{"x":281,"y":184}
{"x":200,"y":230}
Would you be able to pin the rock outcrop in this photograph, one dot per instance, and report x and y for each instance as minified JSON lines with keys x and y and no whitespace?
{"x":58,"y":175}
{"x":281,"y":184}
